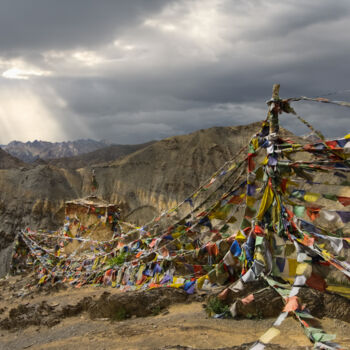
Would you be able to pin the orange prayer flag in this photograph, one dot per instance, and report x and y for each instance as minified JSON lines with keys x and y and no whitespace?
{"x":139,"y":254}
{"x":292,"y":304}
{"x":313,"y":212}
{"x":248,"y":299}
{"x":308,"y":241}
{"x":223,"y":295}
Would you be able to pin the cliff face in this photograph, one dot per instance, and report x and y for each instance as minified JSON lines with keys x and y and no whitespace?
{"x":145,"y":182}
{"x":34,"y":197}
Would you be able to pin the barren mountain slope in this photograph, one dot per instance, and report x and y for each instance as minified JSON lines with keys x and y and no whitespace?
{"x":166,"y":172}
{"x":106,"y":154}
{"x":7,"y":161}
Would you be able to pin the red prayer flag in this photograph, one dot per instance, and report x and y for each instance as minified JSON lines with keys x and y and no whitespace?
{"x":315,"y":281}
{"x":344,"y":200}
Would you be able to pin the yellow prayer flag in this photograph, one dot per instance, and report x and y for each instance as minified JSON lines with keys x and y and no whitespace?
{"x":232,"y":167}
{"x":302,"y":269}
{"x":189,"y":246}
{"x":95,"y":263}
{"x":269,"y":335}
{"x":220,"y":214}
{"x":292,"y":265}
{"x":240,"y":236}
{"x":42,"y":279}
{"x":255,"y":143}
{"x":177,"y":282}
{"x":201,"y":280}
{"x":250,"y":201}
{"x":260,"y":257}
{"x":266,"y":202}
{"x":311,"y":197}
{"x":326,"y":255}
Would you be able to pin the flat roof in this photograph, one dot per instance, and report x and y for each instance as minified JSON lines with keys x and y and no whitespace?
{"x":91,"y":200}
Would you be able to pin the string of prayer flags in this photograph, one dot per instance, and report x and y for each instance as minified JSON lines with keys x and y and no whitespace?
{"x":200,"y":245}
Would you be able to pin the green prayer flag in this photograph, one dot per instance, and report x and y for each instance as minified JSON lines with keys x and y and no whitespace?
{"x":224,"y":228}
{"x":323,"y":337}
{"x":245,"y":223}
{"x":259,"y":240}
{"x":297,"y":194}
{"x":299,"y":210}
{"x":303,"y":314}
{"x":331,"y":197}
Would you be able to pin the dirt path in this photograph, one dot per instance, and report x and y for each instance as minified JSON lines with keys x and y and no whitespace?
{"x":181,"y":326}
{"x":185,"y":325}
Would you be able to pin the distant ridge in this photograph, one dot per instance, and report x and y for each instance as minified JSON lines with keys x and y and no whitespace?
{"x":32,"y":150}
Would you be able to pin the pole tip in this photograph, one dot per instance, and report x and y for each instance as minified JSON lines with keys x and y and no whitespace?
{"x":275,"y":91}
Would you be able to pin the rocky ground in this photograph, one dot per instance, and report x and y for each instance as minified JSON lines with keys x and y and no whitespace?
{"x":104,"y":318}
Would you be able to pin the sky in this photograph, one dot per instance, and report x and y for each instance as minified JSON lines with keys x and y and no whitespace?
{"x":139,"y":70}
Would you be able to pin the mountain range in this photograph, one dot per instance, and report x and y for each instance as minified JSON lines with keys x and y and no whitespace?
{"x":32,"y":150}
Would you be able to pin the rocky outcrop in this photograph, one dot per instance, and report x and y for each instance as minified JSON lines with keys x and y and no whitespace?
{"x":5,"y":259}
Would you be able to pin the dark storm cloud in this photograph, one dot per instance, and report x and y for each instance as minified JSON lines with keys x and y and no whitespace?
{"x":140,"y":70}
{"x":288,"y":17}
{"x":49,"y":24}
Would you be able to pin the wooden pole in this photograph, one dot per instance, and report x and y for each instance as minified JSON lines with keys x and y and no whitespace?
{"x":274,"y":109}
